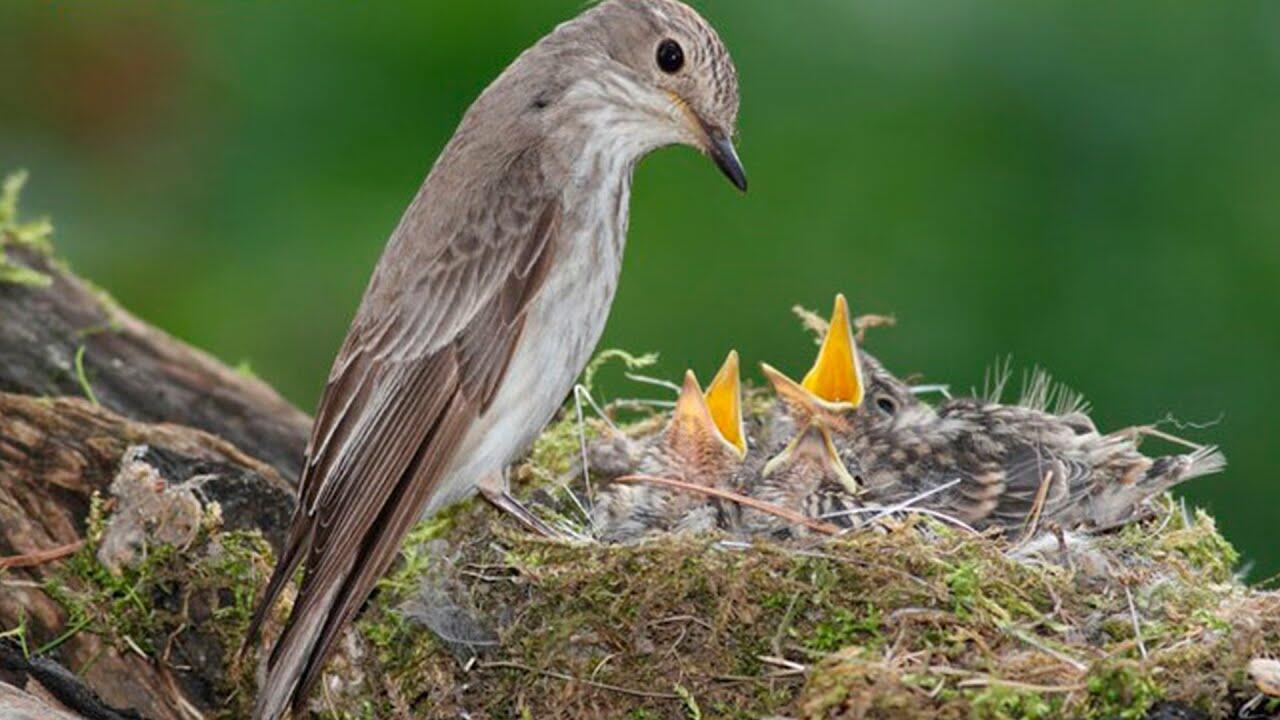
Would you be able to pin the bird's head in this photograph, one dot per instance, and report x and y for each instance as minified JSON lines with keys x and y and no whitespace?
{"x":653,"y":73}
{"x":708,"y":427}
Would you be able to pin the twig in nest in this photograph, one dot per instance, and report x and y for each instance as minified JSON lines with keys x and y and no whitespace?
{"x":871,"y":322}
{"x":1137,"y":626}
{"x":770,"y":508}
{"x":1044,"y":648}
{"x":40,"y":557}
{"x":569,"y":678}
{"x":1032,"y":523}
{"x":977,"y":679}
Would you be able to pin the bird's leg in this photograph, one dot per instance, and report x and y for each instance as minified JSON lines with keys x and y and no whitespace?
{"x":496,"y":490}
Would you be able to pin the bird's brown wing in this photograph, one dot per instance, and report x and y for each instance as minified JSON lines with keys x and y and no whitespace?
{"x":423,"y":360}
{"x":1008,"y":489}
{"x":1038,"y":483}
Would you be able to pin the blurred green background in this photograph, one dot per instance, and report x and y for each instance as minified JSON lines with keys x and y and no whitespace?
{"x":1088,"y":185}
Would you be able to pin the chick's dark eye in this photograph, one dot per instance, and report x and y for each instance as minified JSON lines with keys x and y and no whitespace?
{"x":887,"y":405}
{"x":670,"y":56}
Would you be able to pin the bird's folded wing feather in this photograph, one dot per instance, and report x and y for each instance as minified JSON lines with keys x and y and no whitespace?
{"x":424,"y":358}
{"x":1009,"y":490}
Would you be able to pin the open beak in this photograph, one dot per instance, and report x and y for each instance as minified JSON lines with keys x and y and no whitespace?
{"x":693,"y":429}
{"x":837,"y":374}
{"x":724,"y":398}
{"x":804,"y":405}
{"x":834,"y":387}
{"x":814,"y":448}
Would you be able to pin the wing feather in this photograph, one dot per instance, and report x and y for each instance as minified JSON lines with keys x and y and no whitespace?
{"x":424,"y":358}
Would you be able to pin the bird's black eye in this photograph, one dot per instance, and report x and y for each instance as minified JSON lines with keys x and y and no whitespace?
{"x":670,"y":56}
{"x":887,"y":405}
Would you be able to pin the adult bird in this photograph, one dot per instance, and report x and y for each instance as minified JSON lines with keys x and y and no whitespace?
{"x":488,"y":301}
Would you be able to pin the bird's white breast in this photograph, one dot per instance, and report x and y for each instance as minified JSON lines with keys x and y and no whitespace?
{"x":564,"y":323}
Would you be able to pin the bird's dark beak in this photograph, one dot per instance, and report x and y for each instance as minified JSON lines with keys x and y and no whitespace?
{"x":721,"y":149}
{"x":716,"y":144}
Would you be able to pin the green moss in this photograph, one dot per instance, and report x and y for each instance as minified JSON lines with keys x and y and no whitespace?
{"x":1199,"y":543}
{"x":1120,"y":692}
{"x":965,"y":583}
{"x":206,"y":590}
{"x":1002,"y":702}
{"x":841,"y":627}
{"x":33,"y":234}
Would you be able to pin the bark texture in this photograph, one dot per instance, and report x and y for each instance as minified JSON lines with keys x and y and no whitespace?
{"x":134,"y":369}
{"x":54,"y":455}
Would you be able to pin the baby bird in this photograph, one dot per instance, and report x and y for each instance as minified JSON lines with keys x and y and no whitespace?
{"x":986,"y":464}
{"x":704,"y":444}
{"x":808,"y":477}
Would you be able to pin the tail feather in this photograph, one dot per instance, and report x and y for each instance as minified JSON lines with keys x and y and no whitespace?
{"x":1173,"y":470}
{"x":1120,"y":502}
{"x":292,"y":655}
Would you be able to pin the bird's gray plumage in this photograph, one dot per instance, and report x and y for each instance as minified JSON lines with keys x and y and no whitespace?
{"x":487,"y":302}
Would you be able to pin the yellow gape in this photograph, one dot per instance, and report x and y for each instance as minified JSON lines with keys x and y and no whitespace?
{"x":836,"y":377}
{"x":724,"y":398}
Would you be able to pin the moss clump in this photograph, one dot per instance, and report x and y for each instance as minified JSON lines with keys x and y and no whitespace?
{"x":33,"y":234}
{"x":188,"y":607}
